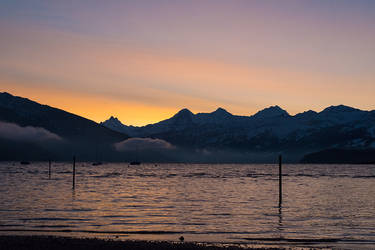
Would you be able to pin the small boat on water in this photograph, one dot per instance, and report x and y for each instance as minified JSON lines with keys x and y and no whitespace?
{"x":24,"y":162}
{"x":97,"y":161}
{"x":135,"y":163}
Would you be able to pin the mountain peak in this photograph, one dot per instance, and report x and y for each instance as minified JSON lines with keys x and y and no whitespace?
{"x":5,"y":94}
{"x":221,"y":112}
{"x":272,"y":111}
{"x":184,"y":112}
{"x":183,"y":117}
{"x":112,"y":121}
{"x":339,"y":108}
{"x":306,"y":114}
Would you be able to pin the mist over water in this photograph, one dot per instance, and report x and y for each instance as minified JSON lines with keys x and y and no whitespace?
{"x":217,"y":203}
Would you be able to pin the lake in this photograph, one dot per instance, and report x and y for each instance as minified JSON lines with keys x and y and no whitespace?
{"x":323,"y":205}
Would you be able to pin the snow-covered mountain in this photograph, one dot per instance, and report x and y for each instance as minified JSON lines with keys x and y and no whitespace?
{"x":203,"y":137}
{"x":269,"y":130}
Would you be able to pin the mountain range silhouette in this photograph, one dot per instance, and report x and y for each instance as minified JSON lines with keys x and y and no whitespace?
{"x":218,"y":136}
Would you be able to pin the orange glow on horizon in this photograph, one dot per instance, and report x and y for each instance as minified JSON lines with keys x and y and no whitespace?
{"x":99,"y":78}
{"x":95,"y":108}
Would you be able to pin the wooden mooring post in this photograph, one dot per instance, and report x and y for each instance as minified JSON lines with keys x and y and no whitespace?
{"x":74,"y":172}
{"x":280,"y":181}
{"x":49,"y":169}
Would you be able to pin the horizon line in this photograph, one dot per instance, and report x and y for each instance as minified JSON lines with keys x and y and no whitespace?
{"x":190,"y":110}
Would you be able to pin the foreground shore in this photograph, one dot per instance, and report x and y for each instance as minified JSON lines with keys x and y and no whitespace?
{"x":59,"y":243}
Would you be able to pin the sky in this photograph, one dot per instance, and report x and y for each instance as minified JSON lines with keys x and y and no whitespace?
{"x":142,"y":61}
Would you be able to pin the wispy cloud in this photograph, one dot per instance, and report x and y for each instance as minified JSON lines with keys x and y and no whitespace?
{"x":12,"y":131}
{"x":243,"y":55}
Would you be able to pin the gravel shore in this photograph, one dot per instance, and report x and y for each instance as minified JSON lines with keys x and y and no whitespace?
{"x":59,"y":243}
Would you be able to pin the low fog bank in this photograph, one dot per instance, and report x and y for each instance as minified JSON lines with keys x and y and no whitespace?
{"x":33,"y":152}
{"x":142,"y":144}
{"x":38,"y":144}
{"x":14,"y":132}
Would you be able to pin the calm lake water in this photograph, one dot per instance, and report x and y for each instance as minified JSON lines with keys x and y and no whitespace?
{"x":325,"y":205}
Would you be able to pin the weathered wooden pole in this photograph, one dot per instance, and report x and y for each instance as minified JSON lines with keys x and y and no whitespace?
{"x":74,"y":172}
{"x":280,"y":181}
{"x":49,"y":169}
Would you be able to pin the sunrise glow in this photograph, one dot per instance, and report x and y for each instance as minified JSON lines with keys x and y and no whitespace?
{"x":143,"y":62}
